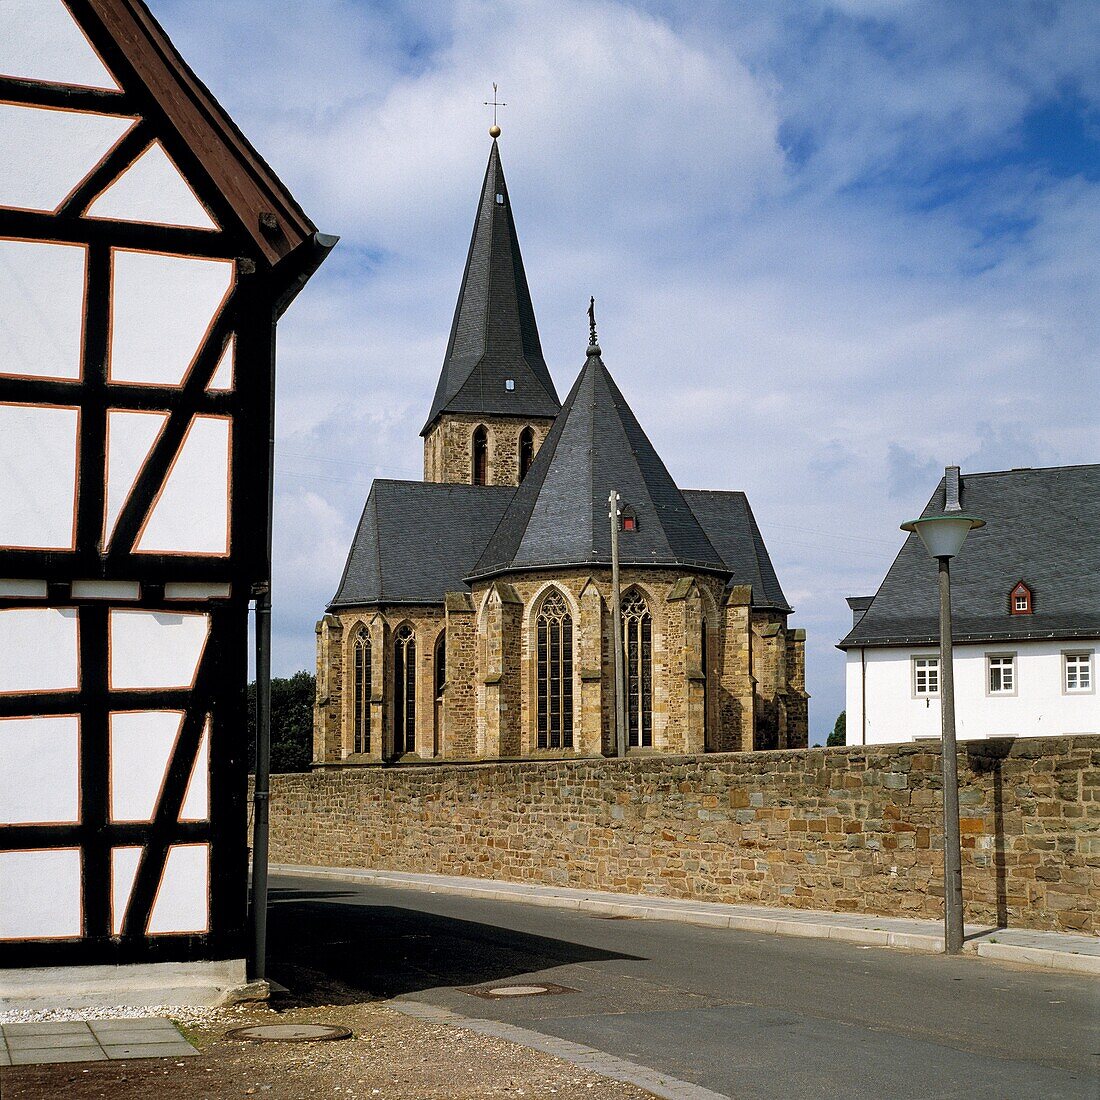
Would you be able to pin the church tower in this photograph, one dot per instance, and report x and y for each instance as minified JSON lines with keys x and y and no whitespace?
{"x":495,"y":401}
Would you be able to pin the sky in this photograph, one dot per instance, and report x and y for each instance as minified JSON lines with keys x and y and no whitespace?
{"x":835,"y":246}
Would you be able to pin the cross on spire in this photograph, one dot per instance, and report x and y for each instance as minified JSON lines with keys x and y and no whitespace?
{"x":494,"y":130}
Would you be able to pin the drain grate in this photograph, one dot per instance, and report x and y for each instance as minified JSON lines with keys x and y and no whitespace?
{"x":543,"y":989}
{"x":289,"y":1033}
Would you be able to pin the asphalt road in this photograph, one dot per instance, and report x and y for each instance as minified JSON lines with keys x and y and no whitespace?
{"x":747,"y":1015}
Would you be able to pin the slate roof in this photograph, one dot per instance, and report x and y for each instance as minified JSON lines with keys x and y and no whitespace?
{"x":1042,"y":527}
{"x":417,"y":540}
{"x":559,"y":514}
{"x":731,"y":527}
{"x":494,"y":336}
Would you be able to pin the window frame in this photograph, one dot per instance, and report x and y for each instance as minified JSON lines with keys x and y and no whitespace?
{"x":1088,"y":655}
{"x":362,"y":685}
{"x":914,"y":660}
{"x":554,"y":644}
{"x":1015,"y":674}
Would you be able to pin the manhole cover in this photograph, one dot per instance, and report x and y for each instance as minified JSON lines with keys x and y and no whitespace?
{"x":289,"y":1033}
{"x":519,"y":991}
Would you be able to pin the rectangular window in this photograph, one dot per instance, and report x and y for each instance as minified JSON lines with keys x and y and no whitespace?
{"x":1002,"y":674}
{"x":1021,"y":602}
{"x":926,"y":676}
{"x":1078,"y":672}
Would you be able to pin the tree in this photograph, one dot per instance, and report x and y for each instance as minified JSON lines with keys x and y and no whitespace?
{"x":837,"y":737}
{"x":291,"y":723}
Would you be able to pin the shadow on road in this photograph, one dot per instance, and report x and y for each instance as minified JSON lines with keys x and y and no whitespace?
{"x":385,"y":951}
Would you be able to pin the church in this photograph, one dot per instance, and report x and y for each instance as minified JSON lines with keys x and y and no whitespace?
{"x":475,"y":616}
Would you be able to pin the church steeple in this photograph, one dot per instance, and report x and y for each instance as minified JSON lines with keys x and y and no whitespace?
{"x":494,"y":365}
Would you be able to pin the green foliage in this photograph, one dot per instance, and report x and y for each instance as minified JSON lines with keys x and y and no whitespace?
{"x":291,"y":723}
{"x":837,"y":736}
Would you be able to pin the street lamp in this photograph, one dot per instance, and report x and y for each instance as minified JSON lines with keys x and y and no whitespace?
{"x":943,"y":536}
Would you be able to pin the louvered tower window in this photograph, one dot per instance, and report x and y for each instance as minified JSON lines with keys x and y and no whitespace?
{"x":480,"y":456}
{"x":361,"y":688}
{"x":526,"y":451}
{"x":638,"y":650}
{"x":554,"y":629}
{"x":404,"y":691}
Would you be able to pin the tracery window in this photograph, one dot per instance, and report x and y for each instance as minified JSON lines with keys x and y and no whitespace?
{"x":480,"y":457}
{"x":440,"y":684}
{"x":554,"y":643}
{"x":361,"y":690}
{"x":404,"y":691}
{"x":526,"y":451}
{"x":638,"y":650}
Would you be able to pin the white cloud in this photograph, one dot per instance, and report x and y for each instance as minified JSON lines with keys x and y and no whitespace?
{"x":820,"y":272}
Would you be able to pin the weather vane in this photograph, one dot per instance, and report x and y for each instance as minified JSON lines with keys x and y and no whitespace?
{"x":592,"y":341}
{"x":494,"y":130}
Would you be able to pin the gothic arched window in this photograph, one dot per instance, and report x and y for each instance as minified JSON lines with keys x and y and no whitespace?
{"x":440,"y":683}
{"x":638,"y":650}
{"x":361,"y":691}
{"x":706,"y":684}
{"x":554,"y":644}
{"x":480,"y":455}
{"x":404,"y":691}
{"x":526,"y":451}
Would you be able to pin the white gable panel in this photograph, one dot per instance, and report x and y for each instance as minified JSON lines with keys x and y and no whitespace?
{"x":222,"y":378}
{"x":182,"y":903}
{"x":196,"y":802}
{"x":45,"y":154}
{"x":41,"y":309}
{"x":40,"y":894}
{"x":161,"y":311}
{"x":38,"y":460}
{"x":141,"y":746}
{"x":40,"y":40}
{"x":192,"y":514}
{"x":40,"y":770}
{"x":39,"y":649}
{"x":156,"y":649}
{"x":152,"y":190}
{"x":124,"y":867}
{"x":130,"y":438}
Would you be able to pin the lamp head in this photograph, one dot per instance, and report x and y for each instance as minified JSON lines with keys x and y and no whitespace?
{"x":943,"y":535}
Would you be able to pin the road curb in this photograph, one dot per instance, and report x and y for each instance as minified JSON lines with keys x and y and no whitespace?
{"x":607,"y":1065}
{"x":683,"y":913}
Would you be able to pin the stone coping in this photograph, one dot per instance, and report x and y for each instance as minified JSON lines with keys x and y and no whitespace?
{"x":1063,"y":951}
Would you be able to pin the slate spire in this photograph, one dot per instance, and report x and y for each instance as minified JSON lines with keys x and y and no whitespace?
{"x":559,"y":513}
{"x":494,"y":364}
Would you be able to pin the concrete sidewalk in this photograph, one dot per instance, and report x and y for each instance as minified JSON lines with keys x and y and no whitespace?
{"x":1077,"y":954}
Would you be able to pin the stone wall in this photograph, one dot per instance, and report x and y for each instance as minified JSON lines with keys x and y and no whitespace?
{"x":851,"y":829}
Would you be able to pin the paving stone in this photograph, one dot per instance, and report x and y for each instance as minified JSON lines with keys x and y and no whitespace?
{"x":45,"y":1027}
{"x":120,"y":1051}
{"x":51,"y":1042}
{"x":46,"y":1057}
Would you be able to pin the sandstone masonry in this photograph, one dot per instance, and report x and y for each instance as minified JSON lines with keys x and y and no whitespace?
{"x":852,"y":829}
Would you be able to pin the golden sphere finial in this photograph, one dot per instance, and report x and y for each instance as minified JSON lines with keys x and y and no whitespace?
{"x":494,"y":131}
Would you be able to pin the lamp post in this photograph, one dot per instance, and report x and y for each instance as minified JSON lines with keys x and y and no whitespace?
{"x":943,"y":536}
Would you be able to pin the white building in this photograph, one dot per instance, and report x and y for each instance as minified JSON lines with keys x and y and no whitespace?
{"x":1026,"y":614}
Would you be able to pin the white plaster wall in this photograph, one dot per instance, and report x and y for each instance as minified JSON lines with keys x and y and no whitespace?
{"x":881,"y":708}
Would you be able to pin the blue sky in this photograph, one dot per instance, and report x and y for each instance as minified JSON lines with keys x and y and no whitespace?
{"x":836,"y":244}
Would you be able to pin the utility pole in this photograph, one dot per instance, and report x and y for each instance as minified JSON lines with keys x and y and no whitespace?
{"x":617,"y":629}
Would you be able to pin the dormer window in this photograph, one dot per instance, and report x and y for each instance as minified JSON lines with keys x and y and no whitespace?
{"x":1019,"y":600}
{"x":629,"y":519}
{"x":500,"y":199}
{"x":509,"y":384}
